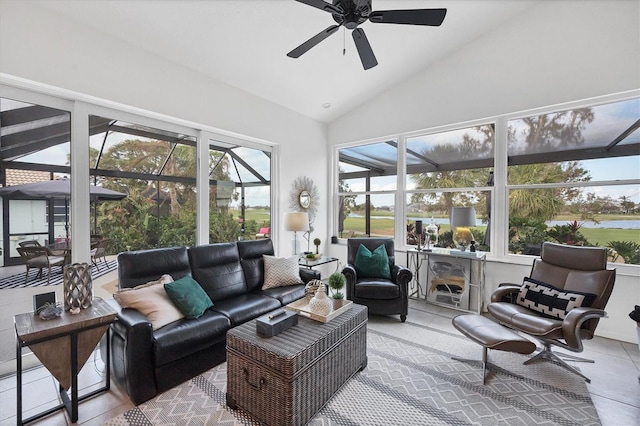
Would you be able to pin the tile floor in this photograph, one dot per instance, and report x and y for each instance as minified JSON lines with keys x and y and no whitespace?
{"x":614,"y":388}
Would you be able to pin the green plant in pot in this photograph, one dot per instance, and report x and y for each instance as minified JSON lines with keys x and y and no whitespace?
{"x":337,"y":281}
{"x":316,"y":242}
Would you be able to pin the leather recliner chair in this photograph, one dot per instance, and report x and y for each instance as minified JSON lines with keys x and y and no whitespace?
{"x":569,"y":269}
{"x":382,"y":296}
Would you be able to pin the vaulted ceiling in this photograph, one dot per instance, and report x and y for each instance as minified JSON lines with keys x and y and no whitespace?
{"x":244,"y":43}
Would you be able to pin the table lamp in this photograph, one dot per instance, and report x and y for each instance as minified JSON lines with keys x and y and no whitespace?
{"x":463,"y":217}
{"x":296,"y":222}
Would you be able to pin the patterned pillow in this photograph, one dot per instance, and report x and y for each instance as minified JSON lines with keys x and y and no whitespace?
{"x":152,"y":301}
{"x":372,"y":264}
{"x":280,"y":271}
{"x":550,"y":301}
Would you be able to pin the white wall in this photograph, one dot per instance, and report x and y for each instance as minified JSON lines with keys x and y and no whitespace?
{"x":557,"y":52}
{"x":44,"y":47}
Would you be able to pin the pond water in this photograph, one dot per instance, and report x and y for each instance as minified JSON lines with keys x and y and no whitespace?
{"x":608,"y":224}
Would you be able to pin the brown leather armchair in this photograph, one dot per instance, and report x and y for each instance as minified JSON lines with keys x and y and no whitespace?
{"x":572,"y":270}
{"x":381,"y":295}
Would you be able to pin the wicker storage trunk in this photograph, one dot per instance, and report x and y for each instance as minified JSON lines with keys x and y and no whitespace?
{"x":286,"y":379}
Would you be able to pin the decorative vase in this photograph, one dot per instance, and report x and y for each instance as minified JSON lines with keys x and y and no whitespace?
{"x":78,"y":291}
{"x":321,"y":304}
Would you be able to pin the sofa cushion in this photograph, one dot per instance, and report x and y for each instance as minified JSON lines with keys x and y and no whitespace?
{"x":550,"y":301}
{"x":251,"y":252}
{"x":242,"y":308}
{"x":187,"y":336}
{"x":216,"y":267}
{"x":376,"y":288}
{"x":189,"y":297}
{"x":286,"y":294}
{"x":139,"y":267}
{"x":280,"y":271}
{"x":372,"y":264}
{"x":152,"y":301}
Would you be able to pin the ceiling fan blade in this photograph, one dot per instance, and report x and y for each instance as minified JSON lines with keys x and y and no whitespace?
{"x":431,"y":17}
{"x":322,"y":5}
{"x":304,"y":47}
{"x":364,"y":49}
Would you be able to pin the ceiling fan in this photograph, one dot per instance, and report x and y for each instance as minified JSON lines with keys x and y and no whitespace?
{"x":352,"y":13}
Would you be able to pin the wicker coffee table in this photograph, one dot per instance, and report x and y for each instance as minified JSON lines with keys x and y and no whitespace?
{"x":286,"y":379}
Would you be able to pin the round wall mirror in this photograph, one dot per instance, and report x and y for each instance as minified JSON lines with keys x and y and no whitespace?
{"x":304,"y":199}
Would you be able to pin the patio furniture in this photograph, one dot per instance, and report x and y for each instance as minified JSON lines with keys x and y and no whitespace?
{"x":100,"y":251}
{"x":264,"y":233}
{"x":30,"y":243}
{"x":40,"y":257}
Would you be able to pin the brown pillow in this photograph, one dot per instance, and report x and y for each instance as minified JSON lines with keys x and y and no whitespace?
{"x":152,"y":301}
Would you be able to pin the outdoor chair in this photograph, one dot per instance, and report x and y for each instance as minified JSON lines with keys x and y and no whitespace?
{"x":561,"y":301}
{"x":264,"y":232}
{"x":373,"y":278}
{"x":100,"y":252}
{"x":39,"y":257}
{"x":30,"y":243}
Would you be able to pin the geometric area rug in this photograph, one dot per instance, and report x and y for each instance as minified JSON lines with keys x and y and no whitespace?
{"x":57,"y":276}
{"x":409,"y":380}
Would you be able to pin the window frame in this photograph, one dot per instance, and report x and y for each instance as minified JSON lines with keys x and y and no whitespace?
{"x":499,"y":191}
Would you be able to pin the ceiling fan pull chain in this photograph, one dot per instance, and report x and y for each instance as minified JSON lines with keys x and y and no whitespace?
{"x":344,"y":41}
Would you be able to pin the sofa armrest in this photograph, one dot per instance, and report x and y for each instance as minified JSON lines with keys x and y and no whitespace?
{"x":573,"y":322}
{"x":401,"y":276}
{"x":309,"y":274}
{"x":132,"y":355}
{"x":350,"y":274}
{"x":504,"y":290}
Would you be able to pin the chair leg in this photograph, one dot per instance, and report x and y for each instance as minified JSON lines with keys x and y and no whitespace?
{"x":547,"y":354}
{"x":485,"y":363}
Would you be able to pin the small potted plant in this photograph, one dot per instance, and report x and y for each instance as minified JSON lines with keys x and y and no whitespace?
{"x":317,"y":242}
{"x":337,"y":281}
{"x":49,"y":311}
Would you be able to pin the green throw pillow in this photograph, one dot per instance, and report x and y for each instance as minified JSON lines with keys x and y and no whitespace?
{"x":372,"y":264}
{"x":189,"y":297}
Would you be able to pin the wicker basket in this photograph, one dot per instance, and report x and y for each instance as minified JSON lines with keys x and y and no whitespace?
{"x":286,"y":379}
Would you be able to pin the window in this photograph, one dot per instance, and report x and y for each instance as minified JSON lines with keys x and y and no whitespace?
{"x":573,"y":179}
{"x":443,"y":171}
{"x":34,"y":148}
{"x":367,"y":187}
{"x":570,"y":176}
{"x":240,"y":192}
{"x":157,"y":171}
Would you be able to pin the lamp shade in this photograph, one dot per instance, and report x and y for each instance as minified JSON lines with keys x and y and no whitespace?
{"x":463,"y":217}
{"x":296,"y":221}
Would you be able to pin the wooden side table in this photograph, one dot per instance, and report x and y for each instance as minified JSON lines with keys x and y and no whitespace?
{"x":63,"y":345}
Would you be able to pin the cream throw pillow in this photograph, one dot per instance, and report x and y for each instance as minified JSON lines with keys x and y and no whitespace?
{"x":152,"y":301}
{"x":280,"y":271}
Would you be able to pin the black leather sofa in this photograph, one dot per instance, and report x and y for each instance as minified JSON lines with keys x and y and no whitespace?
{"x":147,"y":362}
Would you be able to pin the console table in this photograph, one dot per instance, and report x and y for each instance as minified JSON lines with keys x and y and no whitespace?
{"x":448,"y":277}
{"x":63,"y":345}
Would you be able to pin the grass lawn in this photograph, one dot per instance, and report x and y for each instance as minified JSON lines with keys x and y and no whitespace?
{"x":596,"y":236}
{"x":385,"y":227}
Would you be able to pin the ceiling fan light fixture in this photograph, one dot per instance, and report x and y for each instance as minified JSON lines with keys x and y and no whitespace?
{"x":351,"y":13}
